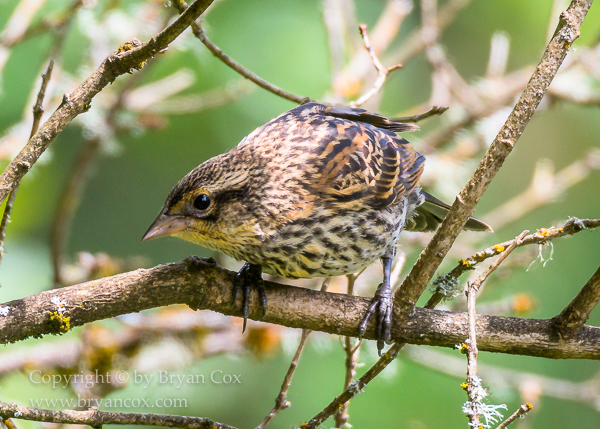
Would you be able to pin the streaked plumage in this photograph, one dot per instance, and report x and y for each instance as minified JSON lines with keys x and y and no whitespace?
{"x":317,"y":191}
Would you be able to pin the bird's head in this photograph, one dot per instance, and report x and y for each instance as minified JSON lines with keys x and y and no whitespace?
{"x":208,"y":206}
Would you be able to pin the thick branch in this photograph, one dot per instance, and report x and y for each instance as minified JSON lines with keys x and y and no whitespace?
{"x":129,"y":57}
{"x":201,"y":284}
{"x":464,"y":205}
{"x":578,"y":311}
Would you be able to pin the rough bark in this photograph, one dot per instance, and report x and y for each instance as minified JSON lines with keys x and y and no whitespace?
{"x":203,"y":285}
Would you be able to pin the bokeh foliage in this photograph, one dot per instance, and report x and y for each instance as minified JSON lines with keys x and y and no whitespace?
{"x":286,"y":43}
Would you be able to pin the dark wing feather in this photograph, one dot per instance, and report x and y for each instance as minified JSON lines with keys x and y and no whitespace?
{"x":431,"y":213}
{"x":361,"y":161}
{"x":361,"y":115}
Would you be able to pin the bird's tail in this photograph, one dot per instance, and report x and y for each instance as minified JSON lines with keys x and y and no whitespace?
{"x":428,"y":215}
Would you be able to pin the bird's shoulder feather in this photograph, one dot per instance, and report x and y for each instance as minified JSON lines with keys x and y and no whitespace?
{"x":358,"y":160}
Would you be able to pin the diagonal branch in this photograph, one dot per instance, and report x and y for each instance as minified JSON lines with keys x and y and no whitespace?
{"x":521,"y":411}
{"x":129,"y":57}
{"x":578,"y":311}
{"x":217,"y":52}
{"x":464,"y":205}
{"x":541,"y":237}
{"x":38,"y":111}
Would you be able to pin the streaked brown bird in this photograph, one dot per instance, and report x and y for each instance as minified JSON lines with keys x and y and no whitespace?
{"x":316,"y":192}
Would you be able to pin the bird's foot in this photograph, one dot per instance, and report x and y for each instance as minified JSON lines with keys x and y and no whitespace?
{"x":249,"y":276}
{"x":382,"y":304}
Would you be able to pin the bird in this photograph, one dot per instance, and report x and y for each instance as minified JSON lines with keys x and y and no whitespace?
{"x":318,"y":191}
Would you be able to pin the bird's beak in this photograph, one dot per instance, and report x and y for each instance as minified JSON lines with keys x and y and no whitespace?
{"x":165,"y":225}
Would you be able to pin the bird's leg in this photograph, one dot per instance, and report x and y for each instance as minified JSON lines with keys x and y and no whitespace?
{"x":249,"y":276}
{"x":382,"y":303}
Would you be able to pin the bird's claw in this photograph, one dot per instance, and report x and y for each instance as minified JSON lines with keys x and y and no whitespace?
{"x":249,"y":276}
{"x":382,"y":303}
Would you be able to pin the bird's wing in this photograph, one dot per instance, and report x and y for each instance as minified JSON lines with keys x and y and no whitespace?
{"x":360,"y":161}
{"x":432,"y":212}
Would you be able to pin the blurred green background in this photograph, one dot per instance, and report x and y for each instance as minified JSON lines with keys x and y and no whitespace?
{"x":286,"y":43}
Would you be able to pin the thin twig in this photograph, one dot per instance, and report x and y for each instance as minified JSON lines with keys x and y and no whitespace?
{"x":381,"y":70}
{"x":435,"y":110}
{"x":521,"y":411}
{"x":38,"y":111}
{"x":347,"y":82}
{"x":578,"y":311}
{"x":95,"y":418}
{"x":352,"y":352}
{"x":281,"y":402}
{"x":541,"y":236}
{"x":414,"y":42}
{"x":356,"y":387}
{"x":516,"y":242}
{"x":475,"y":390}
{"x":217,"y":52}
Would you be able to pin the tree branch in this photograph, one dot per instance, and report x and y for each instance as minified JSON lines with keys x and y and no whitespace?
{"x":464,"y":205}
{"x":382,"y":71}
{"x":95,"y":418}
{"x":542,"y":236}
{"x":435,"y":110}
{"x":521,"y":411}
{"x":475,"y":391}
{"x":430,"y":259}
{"x":130,"y":56}
{"x":203,"y":285}
{"x":217,"y":52}
{"x":578,"y":311}
{"x":38,"y":111}
{"x":281,"y":402}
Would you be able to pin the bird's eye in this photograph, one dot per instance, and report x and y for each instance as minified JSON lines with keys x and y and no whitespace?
{"x":202,"y":202}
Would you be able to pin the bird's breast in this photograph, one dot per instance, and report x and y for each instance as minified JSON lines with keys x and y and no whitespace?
{"x":328,"y":243}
